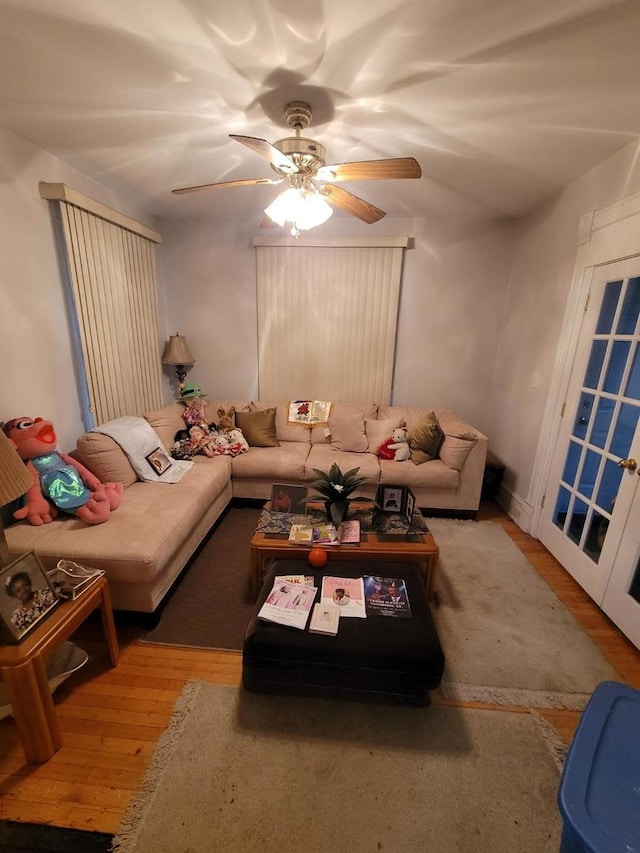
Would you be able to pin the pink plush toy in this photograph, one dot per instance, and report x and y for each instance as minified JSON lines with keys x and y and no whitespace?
{"x":59,"y":482}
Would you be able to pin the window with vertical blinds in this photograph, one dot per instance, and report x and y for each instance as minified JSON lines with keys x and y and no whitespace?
{"x":327,"y":316}
{"x":110,"y":267}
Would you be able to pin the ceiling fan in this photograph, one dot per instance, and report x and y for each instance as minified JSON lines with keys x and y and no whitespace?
{"x":300,"y":164}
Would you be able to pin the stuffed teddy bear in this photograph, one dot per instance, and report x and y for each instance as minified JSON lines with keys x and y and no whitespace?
{"x":237,"y":442}
{"x":220,"y":444}
{"x":227,"y":421}
{"x":59,"y":481}
{"x":400,"y":444}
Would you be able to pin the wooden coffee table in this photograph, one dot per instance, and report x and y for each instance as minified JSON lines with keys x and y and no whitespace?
{"x":418,"y":548}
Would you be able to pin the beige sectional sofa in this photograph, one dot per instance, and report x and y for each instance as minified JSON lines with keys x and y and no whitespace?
{"x":149,"y":539}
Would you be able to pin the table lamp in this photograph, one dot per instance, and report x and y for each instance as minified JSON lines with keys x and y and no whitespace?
{"x":177,"y":352}
{"x":15,"y":480}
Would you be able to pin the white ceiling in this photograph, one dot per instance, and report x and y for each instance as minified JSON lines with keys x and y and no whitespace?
{"x":501,"y":101}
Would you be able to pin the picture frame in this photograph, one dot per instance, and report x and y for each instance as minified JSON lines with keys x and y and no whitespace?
{"x":396,"y":499}
{"x":286,"y":498}
{"x":159,"y":461}
{"x":24,"y":577}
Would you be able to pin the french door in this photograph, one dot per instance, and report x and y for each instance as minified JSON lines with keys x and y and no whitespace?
{"x":591,"y":517}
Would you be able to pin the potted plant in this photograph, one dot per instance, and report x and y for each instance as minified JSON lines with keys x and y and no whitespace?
{"x":336,"y":488}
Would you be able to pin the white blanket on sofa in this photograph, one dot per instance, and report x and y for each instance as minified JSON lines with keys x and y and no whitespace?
{"x":145,"y":451}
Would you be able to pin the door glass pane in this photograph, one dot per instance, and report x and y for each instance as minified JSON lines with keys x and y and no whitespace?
{"x":596,"y":536}
{"x":602,"y":422}
{"x":625,"y":428}
{"x":634,"y":590}
{"x":617,"y":364}
{"x":571,"y":465}
{"x":633,"y":384}
{"x":589,"y":473}
{"x":562,"y":505}
{"x":583,"y":414}
{"x":594,"y":368}
{"x":609,"y":485}
{"x":628,"y":319}
{"x":608,"y":308}
{"x":577,"y":522}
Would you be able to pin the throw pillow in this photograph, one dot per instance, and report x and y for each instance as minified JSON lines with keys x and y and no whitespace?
{"x":347,"y":433}
{"x":455,"y":449}
{"x":259,"y":428}
{"x":426,"y":439}
{"x":104,"y":458}
{"x":377,"y":431}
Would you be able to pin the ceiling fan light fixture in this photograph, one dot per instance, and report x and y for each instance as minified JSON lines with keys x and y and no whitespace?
{"x":303,"y":209}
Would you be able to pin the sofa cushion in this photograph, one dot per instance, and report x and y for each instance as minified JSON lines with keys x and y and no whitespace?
{"x":432,"y":475}
{"x":276,"y":464}
{"x":105,"y":458}
{"x":338,"y":412}
{"x":455,"y":449}
{"x":347,"y":433}
{"x":426,"y":439}
{"x":259,"y":428}
{"x":167,"y":421}
{"x":322,"y":456}
{"x":285,"y":431}
{"x":378,"y":431}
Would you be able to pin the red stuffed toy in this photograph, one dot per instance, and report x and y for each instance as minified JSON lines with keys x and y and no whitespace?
{"x":59,"y":482}
{"x":384,"y":451}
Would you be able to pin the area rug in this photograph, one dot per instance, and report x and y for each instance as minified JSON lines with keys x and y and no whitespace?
{"x":240,"y":772}
{"x":507,"y":637}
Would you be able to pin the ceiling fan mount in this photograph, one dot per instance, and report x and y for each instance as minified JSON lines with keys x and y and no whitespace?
{"x":302,"y":163}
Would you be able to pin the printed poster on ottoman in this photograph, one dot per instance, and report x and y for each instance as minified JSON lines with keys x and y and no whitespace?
{"x":386,"y":597}
{"x":347,"y":593}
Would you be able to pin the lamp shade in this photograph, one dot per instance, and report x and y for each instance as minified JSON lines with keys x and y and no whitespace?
{"x":177,"y":351}
{"x":15,"y":479}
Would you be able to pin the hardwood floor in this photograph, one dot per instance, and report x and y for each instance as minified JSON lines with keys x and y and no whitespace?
{"x":111,"y":719}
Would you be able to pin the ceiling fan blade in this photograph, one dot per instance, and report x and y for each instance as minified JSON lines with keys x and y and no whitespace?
{"x":371,"y":170}
{"x":246,"y":182}
{"x":268,"y":151}
{"x":353,"y":204}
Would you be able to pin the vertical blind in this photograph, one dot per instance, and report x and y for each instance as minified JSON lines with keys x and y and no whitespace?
{"x":111,"y":271}
{"x":327,"y":318}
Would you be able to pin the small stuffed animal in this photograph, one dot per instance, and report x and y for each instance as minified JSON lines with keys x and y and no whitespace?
{"x":220,"y":445}
{"x":227,"y":421}
{"x":237,"y":442}
{"x":195,"y":412}
{"x":400,"y":444}
{"x":59,"y":481}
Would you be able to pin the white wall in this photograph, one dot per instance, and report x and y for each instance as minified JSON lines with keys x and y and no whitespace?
{"x":38,"y":373}
{"x":544,"y":257}
{"x":452,"y":299}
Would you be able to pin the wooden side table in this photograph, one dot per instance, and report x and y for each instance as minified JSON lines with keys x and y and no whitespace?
{"x":22,"y":668}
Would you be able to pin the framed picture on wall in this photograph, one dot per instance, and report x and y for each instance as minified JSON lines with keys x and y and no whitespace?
{"x":27,"y":600}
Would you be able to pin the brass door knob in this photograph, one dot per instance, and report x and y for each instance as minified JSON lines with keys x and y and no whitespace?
{"x":630,"y":464}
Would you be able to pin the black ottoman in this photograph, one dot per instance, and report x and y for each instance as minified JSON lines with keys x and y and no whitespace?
{"x":377,"y":656}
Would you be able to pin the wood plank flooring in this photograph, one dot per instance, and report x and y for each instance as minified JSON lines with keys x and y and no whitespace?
{"x":111,"y":719}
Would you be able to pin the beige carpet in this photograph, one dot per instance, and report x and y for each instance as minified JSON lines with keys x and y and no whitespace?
{"x":238,"y":773}
{"x":506,"y":635}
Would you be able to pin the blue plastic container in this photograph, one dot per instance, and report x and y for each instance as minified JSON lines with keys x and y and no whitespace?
{"x":599,"y":794}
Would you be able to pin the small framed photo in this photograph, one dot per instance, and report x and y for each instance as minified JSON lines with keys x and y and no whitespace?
{"x":286,"y":498}
{"x":397,"y":499}
{"x":26,"y":597}
{"x":159,"y":461}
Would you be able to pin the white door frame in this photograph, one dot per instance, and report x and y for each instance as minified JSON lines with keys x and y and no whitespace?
{"x":604,"y":236}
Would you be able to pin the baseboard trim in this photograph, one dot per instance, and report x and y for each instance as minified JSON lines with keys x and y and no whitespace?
{"x":517,"y":508}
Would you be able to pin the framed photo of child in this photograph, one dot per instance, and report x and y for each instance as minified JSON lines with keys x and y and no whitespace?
{"x":27,"y":597}
{"x":285,"y":498}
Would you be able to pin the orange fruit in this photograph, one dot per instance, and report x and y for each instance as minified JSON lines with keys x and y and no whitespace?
{"x":317,"y":558}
